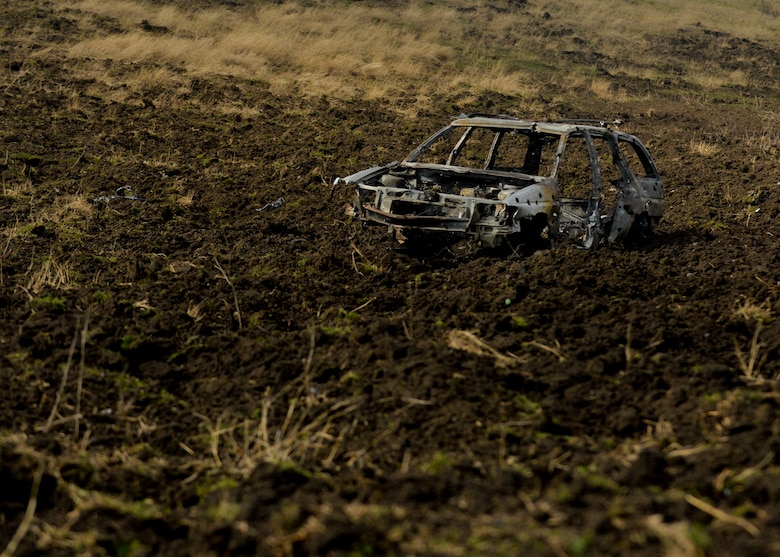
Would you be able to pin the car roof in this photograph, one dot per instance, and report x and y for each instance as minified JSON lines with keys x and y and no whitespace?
{"x":556,"y":127}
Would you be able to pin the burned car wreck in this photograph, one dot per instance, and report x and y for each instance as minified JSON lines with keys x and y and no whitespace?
{"x":495,"y":178}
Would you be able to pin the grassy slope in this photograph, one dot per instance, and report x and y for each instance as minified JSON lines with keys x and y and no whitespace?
{"x":371,"y":50}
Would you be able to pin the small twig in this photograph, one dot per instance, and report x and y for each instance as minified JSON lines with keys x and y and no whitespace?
{"x":29,"y":514}
{"x":751,"y":365}
{"x":684,"y":452}
{"x":61,"y":390}
{"x":235,"y":294}
{"x":469,"y":342}
{"x":367,"y":264}
{"x":78,"y":160}
{"x":26,"y":291}
{"x":60,"y":421}
{"x":215,"y":433}
{"x":328,"y":462}
{"x":361,"y":306}
{"x":310,"y":357}
{"x":354,"y":263}
{"x":555,"y":352}
{"x":186,"y":449}
{"x":406,"y":461}
{"x":627,"y":348}
{"x":747,"y":472}
{"x":11,"y":236}
{"x":413,"y":401}
{"x":407,"y":330}
{"x":723,"y":516}
{"x":84,"y":331}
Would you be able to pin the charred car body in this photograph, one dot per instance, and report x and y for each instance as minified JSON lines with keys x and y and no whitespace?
{"x":494,"y":178}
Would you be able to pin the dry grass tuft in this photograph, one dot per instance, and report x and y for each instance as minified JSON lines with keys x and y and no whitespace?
{"x":767,"y":138}
{"x":49,"y":274}
{"x":72,"y":210}
{"x":751,"y":362}
{"x":723,"y":516}
{"x":186,"y":199}
{"x":20,"y":187}
{"x":469,"y":342}
{"x":308,"y":434}
{"x":703,"y":147}
{"x":749,"y":310}
{"x":676,"y":537}
{"x":195,"y":311}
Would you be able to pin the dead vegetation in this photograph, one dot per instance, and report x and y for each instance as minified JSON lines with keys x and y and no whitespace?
{"x":128,"y":48}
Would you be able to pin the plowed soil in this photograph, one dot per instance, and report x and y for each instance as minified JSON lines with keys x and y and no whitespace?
{"x":189,"y":367}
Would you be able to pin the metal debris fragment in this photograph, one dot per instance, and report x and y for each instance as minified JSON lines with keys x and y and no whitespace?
{"x":271,"y":206}
{"x":123,"y":192}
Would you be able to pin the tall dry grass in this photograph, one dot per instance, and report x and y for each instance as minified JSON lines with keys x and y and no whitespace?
{"x":319,"y":50}
{"x":617,"y":20}
{"x":357,"y":50}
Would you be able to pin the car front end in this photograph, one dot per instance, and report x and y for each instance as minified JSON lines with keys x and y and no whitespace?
{"x":486,"y":206}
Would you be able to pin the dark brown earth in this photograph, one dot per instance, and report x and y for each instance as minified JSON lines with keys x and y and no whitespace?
{"x":215,"y":378}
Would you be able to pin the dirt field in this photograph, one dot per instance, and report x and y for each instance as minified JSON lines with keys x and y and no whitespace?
{"x":187,"y":370}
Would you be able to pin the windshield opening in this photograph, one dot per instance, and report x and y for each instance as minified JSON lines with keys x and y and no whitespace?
{"x":483,"y":148}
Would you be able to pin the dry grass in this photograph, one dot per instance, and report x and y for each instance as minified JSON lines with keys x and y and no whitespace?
{"x":50,"y":273}
{"x":630,"y":21}
{"x":308,"y":434}
{"x":722,"y":516}
{"x":711,"y":80}
{"x":72,"y":210}
{"x":18,"y":187}
{"x":749,"y":310}
{"x":469,"y":342}
{"x":375,"y":51}
{"x":703,"y":147}
{"x":676,"y":537}
{"x":317,"y":50}
{"x":751,"y":361}
{"x":767,"y":138}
